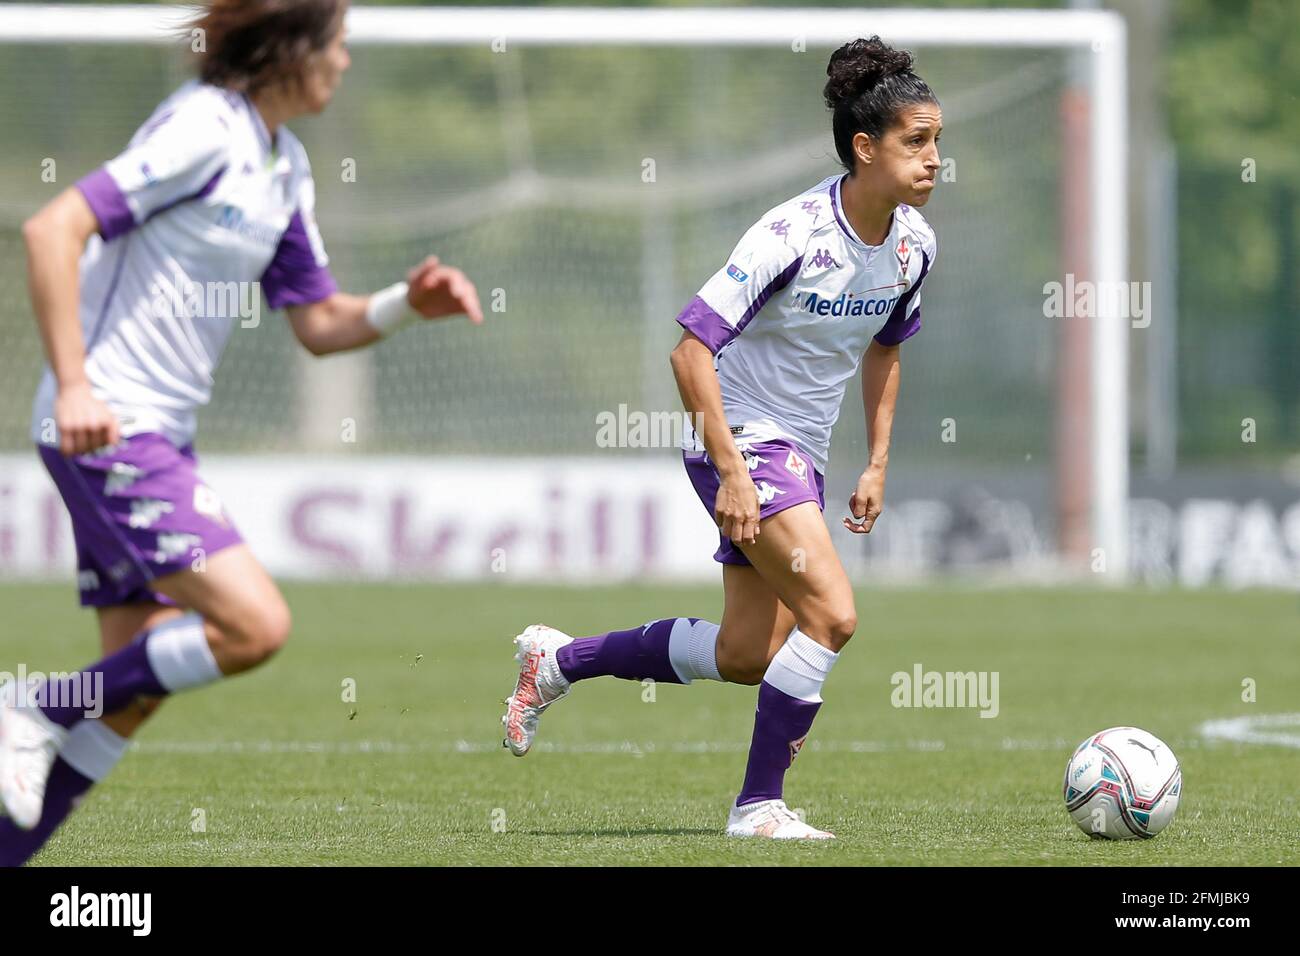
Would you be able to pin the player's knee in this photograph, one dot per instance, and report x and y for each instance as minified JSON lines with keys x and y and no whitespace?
{"x":834,"y":627}
{"x":264,"y":633}
{"x":750,"y":673}
{"x":842,"y":627}
{"x":275,"y":629}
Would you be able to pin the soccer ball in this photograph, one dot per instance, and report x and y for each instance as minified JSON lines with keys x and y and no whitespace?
{"x":1122,"y":784}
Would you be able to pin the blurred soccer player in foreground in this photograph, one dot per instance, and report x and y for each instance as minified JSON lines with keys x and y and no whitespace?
{"x":821,"y":283}
{"x":212,"y":190}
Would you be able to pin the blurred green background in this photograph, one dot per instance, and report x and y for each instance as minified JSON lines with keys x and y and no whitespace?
{"x":593,"y":273}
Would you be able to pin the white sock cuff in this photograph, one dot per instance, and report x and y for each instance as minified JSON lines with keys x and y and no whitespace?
{"x":704,"y":650}
{"x":93,"y":749}
{"x":179,"y":654}
{"x":818,"y":657}
{"x":693,"y":650}
{"x":800,"y":667}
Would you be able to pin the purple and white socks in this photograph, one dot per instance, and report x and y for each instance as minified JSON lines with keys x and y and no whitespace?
{"x":91,"y":751}
{"x":675,"y":651}
{"x":788,"y":700}
{"x":679,"y":650}
{"x":170,"y":657}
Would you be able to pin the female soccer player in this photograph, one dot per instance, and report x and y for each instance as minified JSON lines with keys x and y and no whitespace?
{"x":826,"y":280}
{"x":213,"y":189}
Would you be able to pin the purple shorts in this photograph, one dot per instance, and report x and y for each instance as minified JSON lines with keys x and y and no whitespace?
{"x":783,"y":473}
{"x":139,"y":511}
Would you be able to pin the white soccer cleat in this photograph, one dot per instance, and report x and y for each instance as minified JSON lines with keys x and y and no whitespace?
{"x":540,"y":685}
{"x":771,"y":819}
{"x":29,"y":742}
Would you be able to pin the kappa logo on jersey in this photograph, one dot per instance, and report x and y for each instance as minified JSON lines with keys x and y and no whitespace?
{"x":812,"y":207}
{"x":753,"y":461}
{"x":766,"y":492}
{"x":823,"y":260}
{"x":738,"y":274}
{"x":797,"y":467}
{"x":780,"y":227}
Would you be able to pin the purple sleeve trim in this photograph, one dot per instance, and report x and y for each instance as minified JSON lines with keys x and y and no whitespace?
{"x":108,"y":203}
{"x":293,"y":277}
{"x":713,"y":330}
{"x":904,"y":321}
{"x":776,"y":285}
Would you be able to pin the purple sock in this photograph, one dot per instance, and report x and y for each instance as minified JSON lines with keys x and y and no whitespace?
{"x":63,"y":791}
{"x":637,"y":654}
{"x":106,"y":686}
{"x":781,"y":723}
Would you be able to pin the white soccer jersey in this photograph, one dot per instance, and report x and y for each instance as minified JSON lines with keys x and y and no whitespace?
{"x":200,"y":207}
{"x":790,"y":315}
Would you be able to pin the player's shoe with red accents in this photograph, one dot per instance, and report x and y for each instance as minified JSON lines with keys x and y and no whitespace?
{"x":540,"y":685}
{"x":771,"y":819}
{"x":29,"y":742}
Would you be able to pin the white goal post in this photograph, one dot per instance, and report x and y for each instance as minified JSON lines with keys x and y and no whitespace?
{"x":1099,"y":34}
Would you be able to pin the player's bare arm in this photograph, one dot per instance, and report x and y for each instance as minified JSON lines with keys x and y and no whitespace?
{"x":55,"y":238}
{"x":736,"y":511}
{"x":343,"y":321}
{"x":880,"y":374}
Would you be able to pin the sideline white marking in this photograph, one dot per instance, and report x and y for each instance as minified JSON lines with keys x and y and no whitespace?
{"x":1283,"y":730}
{"x":626,"y":747}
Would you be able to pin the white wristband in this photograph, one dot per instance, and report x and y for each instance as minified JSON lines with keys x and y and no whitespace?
{"x":388,"y":309}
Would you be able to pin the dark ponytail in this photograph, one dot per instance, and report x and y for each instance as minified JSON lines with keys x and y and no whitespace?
{"x":869,"y":84}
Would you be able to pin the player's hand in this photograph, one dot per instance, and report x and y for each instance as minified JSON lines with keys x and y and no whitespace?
{"x":437,"y":291}
{"x":84,"y":422}
{"x":736,"y":510}
{"x":867,"y":500}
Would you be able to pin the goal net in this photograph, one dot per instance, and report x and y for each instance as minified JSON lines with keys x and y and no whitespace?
{"x":589,"y":170}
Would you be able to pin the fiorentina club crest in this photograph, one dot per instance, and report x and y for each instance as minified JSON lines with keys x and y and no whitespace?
{"x":208,"y":504}
{"x":904,"y":252}
{"x":796,"y":746}
{"x":797,"y":467}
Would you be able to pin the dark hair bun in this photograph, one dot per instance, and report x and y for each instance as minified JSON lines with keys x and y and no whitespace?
{"x":859,"y":65}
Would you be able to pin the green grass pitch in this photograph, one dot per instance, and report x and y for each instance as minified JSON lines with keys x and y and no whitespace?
{"x":275,"y":767}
